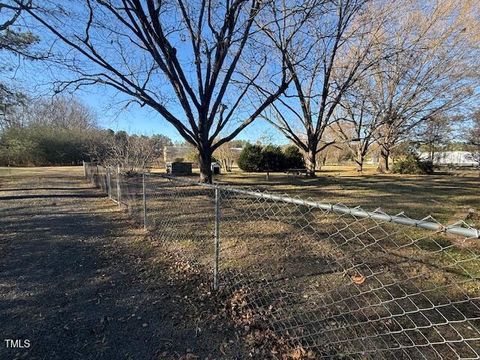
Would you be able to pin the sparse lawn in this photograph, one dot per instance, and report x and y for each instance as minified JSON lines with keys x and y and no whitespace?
{"x":447,"y":198}
{"x":291,"y":268}
{"x":80,"y":280}
{"x":23,"y":177}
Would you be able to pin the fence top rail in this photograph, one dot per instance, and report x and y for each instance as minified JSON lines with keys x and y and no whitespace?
{"x":429,"y":223}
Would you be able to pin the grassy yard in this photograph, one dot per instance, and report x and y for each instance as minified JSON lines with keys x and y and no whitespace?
{"x":331,"y":282}
{"x":323,"y":281}
{"x":446,"y":197}
{"x":23,"y":175}
{"x":80,"y":280}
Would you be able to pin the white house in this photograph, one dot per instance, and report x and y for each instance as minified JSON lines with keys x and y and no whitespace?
{"x":456,"y":158}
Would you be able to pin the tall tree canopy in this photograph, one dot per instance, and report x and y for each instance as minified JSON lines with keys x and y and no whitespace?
{"x":13,"y":43}
{"x":434,"y":69}
{"x":195,"y":62}
{"x":325,"y":58}
{"x":374,"y":70}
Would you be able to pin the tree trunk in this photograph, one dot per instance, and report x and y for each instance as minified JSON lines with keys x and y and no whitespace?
{"x":359,"y":161}
{"x":205,"y":163}
{"x":430,"y":152}
{"x":311,"y":163}
{"x":384,"y":165}
{"x":359,"y":164}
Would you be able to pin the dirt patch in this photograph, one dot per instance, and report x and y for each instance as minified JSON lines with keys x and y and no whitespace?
{"x":79,"y":280}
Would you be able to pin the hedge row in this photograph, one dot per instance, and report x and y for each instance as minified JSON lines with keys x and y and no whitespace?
{"x":255,"y":158}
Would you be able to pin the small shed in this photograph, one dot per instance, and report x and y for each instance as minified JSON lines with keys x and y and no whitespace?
{"x":179,"y":168}
{"x":215,"y":168}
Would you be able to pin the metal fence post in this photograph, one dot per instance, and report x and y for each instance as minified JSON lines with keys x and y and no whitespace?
{"x":108,"y":177}
{"x":97,"y":177}
{"x":119,"y":191}
{"x":217,"y":239}
{"x":144,"y":201}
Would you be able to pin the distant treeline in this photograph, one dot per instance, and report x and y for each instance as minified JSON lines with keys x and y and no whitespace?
{"x":64,"y":131}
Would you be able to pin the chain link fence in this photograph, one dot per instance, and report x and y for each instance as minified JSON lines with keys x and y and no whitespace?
{"x":318,"y":280}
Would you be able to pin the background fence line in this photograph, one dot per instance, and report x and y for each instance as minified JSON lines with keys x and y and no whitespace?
{"x":329,"y":280}
{"x":456,"y":229}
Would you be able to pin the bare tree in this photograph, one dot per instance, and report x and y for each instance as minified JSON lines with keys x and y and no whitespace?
{"x":432,"y":71}
{"x":357,"y":123}
{"x":13,"y":42}
{"x":434,"y":132}
{"x":62,"y":113}
{"x":132,"y":152}
{"x":180,"y":57}
{"x":325,"y":58}
{"x":228,"y":154}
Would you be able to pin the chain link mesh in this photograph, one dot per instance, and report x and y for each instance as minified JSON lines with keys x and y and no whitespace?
{"x":181,"y":215}
{"x":330,"y":281}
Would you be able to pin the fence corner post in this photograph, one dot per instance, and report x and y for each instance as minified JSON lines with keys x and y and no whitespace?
{"x":144,"y":187}
{"x":119,"y":191}
{"x":216,"y":239}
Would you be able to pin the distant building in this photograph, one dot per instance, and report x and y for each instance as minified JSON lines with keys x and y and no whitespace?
{"x":455,"y":158}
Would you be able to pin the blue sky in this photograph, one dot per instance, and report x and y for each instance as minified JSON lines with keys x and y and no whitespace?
{"x":109,"y":107}
{"x":110,"y":110}
{"x":111,"y":113}
{"x":35,"y":78}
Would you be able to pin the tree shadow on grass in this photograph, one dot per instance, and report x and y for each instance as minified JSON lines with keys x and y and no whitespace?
{"x":76,"y":188}
{"x":50,"y":196}
{"x":69,"y":287}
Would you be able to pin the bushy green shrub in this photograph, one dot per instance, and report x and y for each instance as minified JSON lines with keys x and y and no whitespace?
{"x":270,"y":158}
{"x":43,"y":145}
{"x":412,"y":164}
{"x":273,"y":158}
{"x":251,"y":158}
{"x":293,"y":158}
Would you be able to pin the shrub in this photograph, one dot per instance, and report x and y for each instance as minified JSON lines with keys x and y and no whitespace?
{"x":426,"y":166}
{"x":251,"y":158}
{"x":293,"y":158}
{"x":273,"y":159}
{"x":412,"y":164}
{"x":270,"y":158}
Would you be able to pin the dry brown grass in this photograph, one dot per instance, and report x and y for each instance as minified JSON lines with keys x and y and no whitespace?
{"x":78,"y":276}
{"x":448,"y":198}
{"x":291,"y":268}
